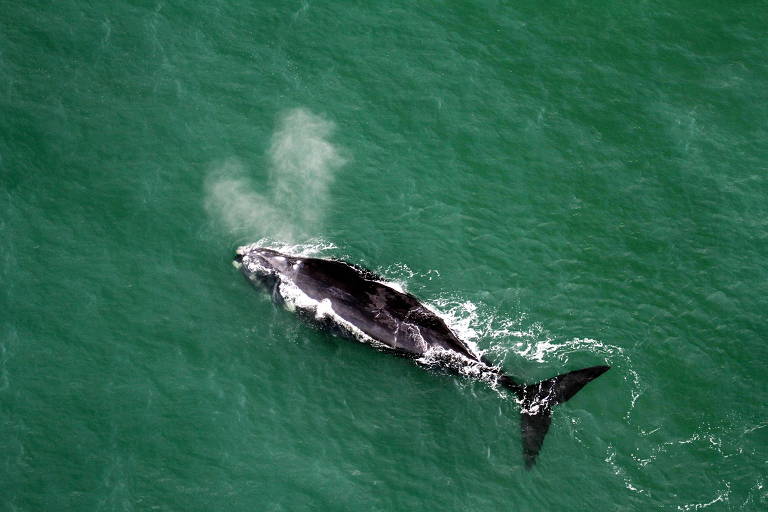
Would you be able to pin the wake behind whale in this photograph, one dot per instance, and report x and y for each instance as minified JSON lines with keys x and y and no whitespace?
{"x":357,"y":303}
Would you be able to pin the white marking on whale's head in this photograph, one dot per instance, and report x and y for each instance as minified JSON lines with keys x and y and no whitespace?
{"x":263,"y":264}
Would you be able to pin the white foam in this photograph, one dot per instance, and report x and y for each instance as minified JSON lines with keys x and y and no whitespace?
{"x":400,"y":287}
{"x":461,"y":316}
{"x":721,"y":497}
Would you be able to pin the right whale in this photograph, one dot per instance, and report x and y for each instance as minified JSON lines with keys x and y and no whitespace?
{"x":359,"y":304}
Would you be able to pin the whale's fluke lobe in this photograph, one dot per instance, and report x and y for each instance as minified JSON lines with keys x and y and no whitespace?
{"x":539,"y":399}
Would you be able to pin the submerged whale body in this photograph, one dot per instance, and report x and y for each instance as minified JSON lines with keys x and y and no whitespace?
{"x":356,"y":303}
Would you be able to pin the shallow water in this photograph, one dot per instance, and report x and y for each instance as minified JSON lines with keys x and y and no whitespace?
{"x":569,"y":184}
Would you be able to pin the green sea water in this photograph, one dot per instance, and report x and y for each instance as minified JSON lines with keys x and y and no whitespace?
{"x":568,"y":183}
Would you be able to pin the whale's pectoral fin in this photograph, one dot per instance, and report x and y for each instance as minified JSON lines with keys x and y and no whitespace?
{"x":539,"y":399}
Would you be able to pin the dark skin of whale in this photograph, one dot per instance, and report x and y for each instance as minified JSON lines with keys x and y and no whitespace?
{"x":398,"y":322}
{"x":393,"y":318}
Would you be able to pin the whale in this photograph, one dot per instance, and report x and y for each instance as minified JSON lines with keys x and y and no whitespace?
{"x":356,"y":303}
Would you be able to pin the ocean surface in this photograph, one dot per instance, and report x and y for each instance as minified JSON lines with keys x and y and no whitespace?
{"x":568,"y":183}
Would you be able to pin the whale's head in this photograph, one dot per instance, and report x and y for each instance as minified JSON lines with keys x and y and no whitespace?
{"x":260,"y":264}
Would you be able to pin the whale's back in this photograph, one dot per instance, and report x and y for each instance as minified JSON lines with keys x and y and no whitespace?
{"x":391,"y":317}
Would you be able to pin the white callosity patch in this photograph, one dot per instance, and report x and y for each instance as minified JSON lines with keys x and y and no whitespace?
{"x":254,"y":267}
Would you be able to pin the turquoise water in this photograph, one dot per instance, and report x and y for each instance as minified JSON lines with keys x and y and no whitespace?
{"x":570,"y":184}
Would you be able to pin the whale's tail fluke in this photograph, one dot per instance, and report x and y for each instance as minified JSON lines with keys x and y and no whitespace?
{"x":539,"y":399}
